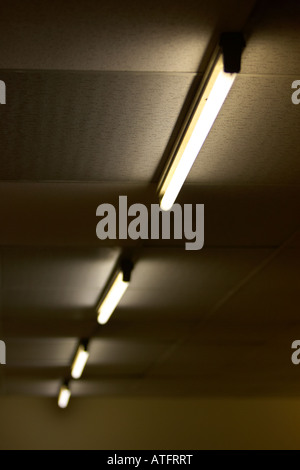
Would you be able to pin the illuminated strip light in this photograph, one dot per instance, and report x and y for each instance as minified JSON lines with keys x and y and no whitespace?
{"x":64,"y":396}
{"x":80,"y":361}
{"x":115,"y":293}
{"x":207,"y":104}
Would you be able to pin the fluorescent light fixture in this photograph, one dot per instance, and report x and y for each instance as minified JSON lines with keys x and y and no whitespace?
{"x":112,"y":299}
{"x":115,"y":293}
{"x":64,"y":396}
{"x":206,"y":106}
{"x":80,"y":361}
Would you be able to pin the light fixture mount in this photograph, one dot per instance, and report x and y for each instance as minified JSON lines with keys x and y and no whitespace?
{"x":126,"y":267}
{"x":85,"y":343}
{"x":232,"y":45}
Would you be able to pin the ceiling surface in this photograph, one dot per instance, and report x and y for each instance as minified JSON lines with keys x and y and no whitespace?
{"x":96,"y":94}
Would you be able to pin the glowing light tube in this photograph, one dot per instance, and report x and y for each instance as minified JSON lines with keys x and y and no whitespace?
{"x":64,"y":396}
{"x":80,"y":361}
{"x":112,"y":298}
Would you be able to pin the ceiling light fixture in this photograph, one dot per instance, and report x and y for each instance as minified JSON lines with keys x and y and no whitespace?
{"x":214,"y":88}
{"x":80,"y":360}
{"x":64,"y":396}
{"x":115,"y":292}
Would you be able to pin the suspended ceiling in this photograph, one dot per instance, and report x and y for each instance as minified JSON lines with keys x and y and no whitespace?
{"x":96,"y":94}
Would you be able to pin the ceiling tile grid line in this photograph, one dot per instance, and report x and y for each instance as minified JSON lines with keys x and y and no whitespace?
{"x":204,"y":322}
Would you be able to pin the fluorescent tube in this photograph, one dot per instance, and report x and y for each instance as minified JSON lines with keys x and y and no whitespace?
{"x":79,"y":362}
{"x":112,"y":298}
{"x":205,"y":112}
{"x":64,"y":397}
